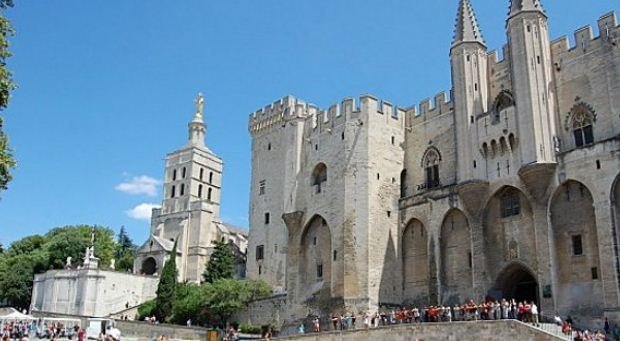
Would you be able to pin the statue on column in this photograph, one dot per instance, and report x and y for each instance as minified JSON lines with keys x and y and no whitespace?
{"x":68,"y":263}
{"x":200,"y":100}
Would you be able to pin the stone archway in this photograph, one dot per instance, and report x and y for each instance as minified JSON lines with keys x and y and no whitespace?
{"x":516,"y":282}
{"x":149,"y":266}
{"x":315,"y":258}
{"x":455,"y":258}
{"x":415,"y":263}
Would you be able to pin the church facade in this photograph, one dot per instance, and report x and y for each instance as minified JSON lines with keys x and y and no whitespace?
{"x":508,"y":187}
{"x":190,"y":211}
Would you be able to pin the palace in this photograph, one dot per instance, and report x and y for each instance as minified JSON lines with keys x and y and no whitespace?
{"x":508,"y":187}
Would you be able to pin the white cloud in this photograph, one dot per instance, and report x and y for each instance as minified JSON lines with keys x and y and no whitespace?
{"x":142,"y":211}
{"x":139,"y":185}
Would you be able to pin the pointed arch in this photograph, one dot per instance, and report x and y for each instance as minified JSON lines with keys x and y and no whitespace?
{"x":503,"y":101}
{"x":455,"y":258}
{"x":415,"y":260}
{"x":319,"y":176}
{"x":315,"y":257}
{"x":577,"y":256}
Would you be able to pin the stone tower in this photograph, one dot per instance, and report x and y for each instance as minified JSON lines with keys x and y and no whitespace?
{"x":190,"y":207}
{"x":530,"y":57}
{"x":469,"y":80}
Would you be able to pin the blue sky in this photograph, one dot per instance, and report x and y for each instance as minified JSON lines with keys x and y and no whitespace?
{"x":106,"y":87}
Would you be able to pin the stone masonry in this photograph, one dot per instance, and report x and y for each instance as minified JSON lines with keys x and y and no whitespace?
{"x":508,"y":187}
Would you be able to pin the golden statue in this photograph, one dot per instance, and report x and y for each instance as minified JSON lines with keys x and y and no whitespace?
{"x":200,"y":100}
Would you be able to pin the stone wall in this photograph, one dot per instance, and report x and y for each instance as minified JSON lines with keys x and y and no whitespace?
{"x":263,"y":312}
{"x":462,"y":331}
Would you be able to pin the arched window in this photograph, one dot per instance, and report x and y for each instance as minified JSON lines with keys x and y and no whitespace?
{"x":319,"y":176}
{"x":210,"y":177}
{"x":403,"y":183}
{"x":182,"y":191}
{"x":172,"y":190}
{"x":582,"y":127}
{"x":209,"y":193}
{"x":202,"y":171}
{"x":174,"y":175}
{"x":200,"y":191}
{"x":431,"y":166}
{"x":183,"y":175}
{"x":510,"y":203}
{"x":503,"y":101}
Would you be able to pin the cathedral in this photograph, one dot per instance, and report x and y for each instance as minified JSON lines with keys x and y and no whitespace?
{"x":190,"y":211}
{"x":504,"y":187}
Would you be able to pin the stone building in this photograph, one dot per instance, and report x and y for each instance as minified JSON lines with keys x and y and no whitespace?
{"x":506,"y":188}
{"x":190,"y":212}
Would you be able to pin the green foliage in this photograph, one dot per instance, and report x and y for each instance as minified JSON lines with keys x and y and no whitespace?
{"x":125,"y":251}
{"x":35,"y":254}
{"x":221,"y":264}
{"x":147,"y":309}
{"x":249,"y":329}
{"x":72,"y":241}
{"x":7,"y":161}
{"x":166,"y":290}
{"x":189,"y":304}
{"x":225,"y":297}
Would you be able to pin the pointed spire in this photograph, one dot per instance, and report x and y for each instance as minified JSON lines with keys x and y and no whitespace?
{"x":518,"y":6}
{"x":467,"y":29}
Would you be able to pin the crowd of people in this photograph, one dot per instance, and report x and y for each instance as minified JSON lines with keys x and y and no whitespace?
{"x":25,"y":330}
{"x":470,"y":311}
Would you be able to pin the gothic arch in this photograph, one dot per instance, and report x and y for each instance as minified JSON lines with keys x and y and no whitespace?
{"x":455,"y":258}
{"x":430,"y":153}
{"x":415,"y":256}
{"x":580,"y":108}
{"x":508,"y":217}
{"x":315,"y":259}
{"x":517,"y":281}
{"x":503,"y":101}
{"x":576,"y":251}
{"x":319,"y":176}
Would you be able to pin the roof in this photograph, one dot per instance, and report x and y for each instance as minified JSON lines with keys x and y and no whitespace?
{"x":466,"y":29}
{"x":231,"y":229}
{"x":517,"y":6}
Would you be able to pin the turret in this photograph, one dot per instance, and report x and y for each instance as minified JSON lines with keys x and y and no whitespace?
{"x":469,"y":81}
{"x":530,"y":58}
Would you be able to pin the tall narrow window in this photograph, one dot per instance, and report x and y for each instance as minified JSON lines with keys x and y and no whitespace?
{"x":209,"y":193}
{"x":200,"y":191}
{"x":261,"y":187}
{"x":172,"y":190}
{"x":182,"y":191}
{"x":577,"y":245}
{"x":174,"y":175}
{"x":403,"y":183}
{"x":431,"y":167}
{"x":319,"y":271}
{"x":267,"y":218}
{"x":202,"y":171}
{"x":260,"y":252}
{"x":210,"y":177}
{"x":183,"y":173}
{"x":582,"y":129}
{"x":510,"y":203}
{"x":319,"y":177}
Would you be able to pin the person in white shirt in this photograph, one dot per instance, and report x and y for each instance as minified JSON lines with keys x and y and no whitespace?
{"x":534,"y":310}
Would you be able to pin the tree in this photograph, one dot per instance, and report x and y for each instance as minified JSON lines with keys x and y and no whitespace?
{"x":225,"y":297}
{"x":7,"y":162}
{"x":166,"y":290}
{"x":16,"y":274}
{"x":221,"y":264}
{"x":72,"y":241}
{"x":125,"y":251}
{"x":189,"y":304}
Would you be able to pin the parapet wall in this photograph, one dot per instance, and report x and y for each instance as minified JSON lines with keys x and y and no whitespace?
{"x":275,"y":114}
{"x":429,"y":109}
{"x":453,"y":331}
{"x":609,"y":34}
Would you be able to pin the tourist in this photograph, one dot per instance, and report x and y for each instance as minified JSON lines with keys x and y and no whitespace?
{"x":534,"y":313}
{"x":302,"y":329}
{"x":316,"y":326}
{"x":606,"y":326}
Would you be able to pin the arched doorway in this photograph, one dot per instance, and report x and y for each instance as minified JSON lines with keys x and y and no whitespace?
{"x":149,"y":266}
{"x":517,"y":282}
{"x":456,"y":258}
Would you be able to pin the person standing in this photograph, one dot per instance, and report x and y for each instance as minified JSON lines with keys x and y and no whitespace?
{"x":534,"y":310}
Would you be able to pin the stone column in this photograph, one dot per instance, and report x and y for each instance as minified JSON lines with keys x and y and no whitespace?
{"x":293,"y":223}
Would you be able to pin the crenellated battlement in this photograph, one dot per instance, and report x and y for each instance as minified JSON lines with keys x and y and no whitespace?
{"x":495,"y":60}
{"x":275,"y":114}
{"x":585,"y":41}
{"x":429,"y":109}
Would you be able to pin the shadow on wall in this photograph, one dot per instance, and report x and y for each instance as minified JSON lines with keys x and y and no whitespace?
{"x":389,"y":289}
